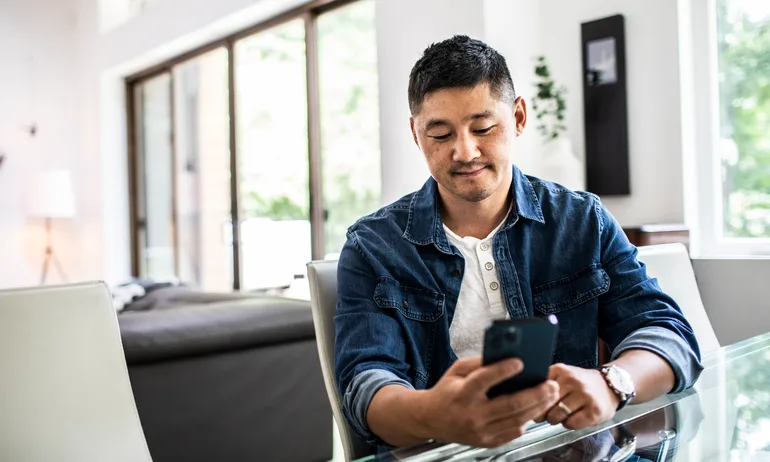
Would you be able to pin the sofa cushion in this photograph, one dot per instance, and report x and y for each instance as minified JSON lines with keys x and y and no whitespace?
{"x":172,"y":296}
{"x":189,"y":329}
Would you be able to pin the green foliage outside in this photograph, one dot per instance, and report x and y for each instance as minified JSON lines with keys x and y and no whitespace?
{"x":744,"y":81}
{"x":744,"y":65}
{"x":273,"y":207}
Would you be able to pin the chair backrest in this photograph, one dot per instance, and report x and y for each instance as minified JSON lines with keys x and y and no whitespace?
{"x":65,"y":393}
{"x":322,"y":276}
{"x":671,"y":265}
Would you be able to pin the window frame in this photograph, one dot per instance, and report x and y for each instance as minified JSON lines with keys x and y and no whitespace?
{"x":699,"y":56}
{"x":310,"y":13}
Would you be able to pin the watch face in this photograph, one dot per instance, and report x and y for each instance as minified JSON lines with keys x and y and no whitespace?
{"x":621,"y":380}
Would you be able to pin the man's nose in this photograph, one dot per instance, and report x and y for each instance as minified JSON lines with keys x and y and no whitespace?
{"x":465,"y":149}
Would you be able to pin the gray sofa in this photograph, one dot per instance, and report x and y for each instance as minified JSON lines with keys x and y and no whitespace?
{"x":226,"y":377}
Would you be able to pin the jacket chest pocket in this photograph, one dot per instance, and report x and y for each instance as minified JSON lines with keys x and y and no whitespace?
{"x":566,"y":293}
{"x":574,"y":300}
{"x":411,"y":302}
{"x":417,"y":310}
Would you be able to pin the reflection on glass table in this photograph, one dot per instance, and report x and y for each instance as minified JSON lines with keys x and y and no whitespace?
{"x":725,"y":417}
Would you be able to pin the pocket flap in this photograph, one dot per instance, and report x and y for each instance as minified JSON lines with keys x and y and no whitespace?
{"x":411,"y":302}
{"x":565,"y":293}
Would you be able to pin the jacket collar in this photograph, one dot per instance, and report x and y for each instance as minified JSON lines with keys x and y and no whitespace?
{"x":424,"y":225}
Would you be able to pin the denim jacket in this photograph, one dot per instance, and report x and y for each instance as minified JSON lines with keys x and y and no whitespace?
{"x":559,"y":252}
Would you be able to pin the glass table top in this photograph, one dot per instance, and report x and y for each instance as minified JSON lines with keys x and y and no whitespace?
{"x":724,"y":417}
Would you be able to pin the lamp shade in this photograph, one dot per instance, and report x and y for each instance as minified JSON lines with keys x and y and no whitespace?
{"x":52,"y":195}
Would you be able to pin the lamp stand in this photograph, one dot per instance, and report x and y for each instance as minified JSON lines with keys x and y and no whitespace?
{"x":50,"y":256}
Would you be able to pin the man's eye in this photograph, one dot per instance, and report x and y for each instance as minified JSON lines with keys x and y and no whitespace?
{"x":483,"y":130}
{"x":442,"y":137}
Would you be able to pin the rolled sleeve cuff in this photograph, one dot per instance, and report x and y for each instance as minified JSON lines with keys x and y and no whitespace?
{"x":669,"y":346}
{"x":359,"y":394}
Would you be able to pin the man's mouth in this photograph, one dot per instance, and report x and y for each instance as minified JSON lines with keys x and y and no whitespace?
{"x":469,"y":173}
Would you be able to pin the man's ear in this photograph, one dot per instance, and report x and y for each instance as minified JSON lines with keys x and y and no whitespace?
{"x":414,"y":133}
{"x":520,"y":114}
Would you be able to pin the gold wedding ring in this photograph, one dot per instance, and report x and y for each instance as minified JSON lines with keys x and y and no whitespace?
{"x":564,"y":409}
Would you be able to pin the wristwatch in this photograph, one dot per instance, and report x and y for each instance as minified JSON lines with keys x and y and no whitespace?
{"x":620,"y":383}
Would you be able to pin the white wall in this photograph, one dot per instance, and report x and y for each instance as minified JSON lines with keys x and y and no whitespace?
{"x":654,"y":113}
{"x":38,"y":62}
{"x":513,"y":27}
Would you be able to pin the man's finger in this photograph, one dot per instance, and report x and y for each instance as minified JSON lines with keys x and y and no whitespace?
{"x":526,"y":404}
{"x":578,"y":420}
{"x":556,"y":371}
{"x":484,"y":378}
{"x":572,"y":401}
{"x":565,"y":386}
{"x":463,"y":367}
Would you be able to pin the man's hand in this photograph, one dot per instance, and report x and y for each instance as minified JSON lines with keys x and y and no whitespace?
{"x":457,"y":409}
{"x":585,"y":393}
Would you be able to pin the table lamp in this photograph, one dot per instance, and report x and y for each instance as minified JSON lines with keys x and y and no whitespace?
{"x":52,"y":197}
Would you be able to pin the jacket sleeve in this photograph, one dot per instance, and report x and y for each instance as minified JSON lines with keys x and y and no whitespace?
{"x":636,"y":314}
{"x":370,"y":352}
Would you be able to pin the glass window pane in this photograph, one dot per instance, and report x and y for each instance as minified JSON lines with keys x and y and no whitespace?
{"x":744,"y":90}
{"x":202,"y":145}
{"x":155,"y":162}
{"x":350,"y":143}
{"x":271,"y":105}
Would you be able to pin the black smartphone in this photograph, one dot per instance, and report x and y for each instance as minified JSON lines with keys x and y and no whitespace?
{"x":532,"y":340}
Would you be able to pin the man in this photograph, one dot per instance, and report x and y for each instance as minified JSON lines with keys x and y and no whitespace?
{"x":419,"y":280}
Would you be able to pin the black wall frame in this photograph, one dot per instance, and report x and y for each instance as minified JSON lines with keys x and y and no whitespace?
{"x":605,"y":106}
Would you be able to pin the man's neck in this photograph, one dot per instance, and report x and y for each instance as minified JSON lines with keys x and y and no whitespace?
{"x":476,"y":219}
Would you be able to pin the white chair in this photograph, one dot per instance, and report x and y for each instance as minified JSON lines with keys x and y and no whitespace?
{"x":322,"y":276}
{"x":65,"y":393}
{"x":671,"y":265}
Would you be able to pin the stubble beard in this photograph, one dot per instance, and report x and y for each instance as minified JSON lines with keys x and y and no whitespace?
{"x":474,"y":193}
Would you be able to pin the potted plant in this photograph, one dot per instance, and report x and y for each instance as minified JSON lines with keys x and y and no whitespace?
{"x":558,"y":159}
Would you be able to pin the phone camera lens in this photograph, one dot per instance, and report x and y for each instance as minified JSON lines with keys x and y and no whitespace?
{"x":510,"y":336}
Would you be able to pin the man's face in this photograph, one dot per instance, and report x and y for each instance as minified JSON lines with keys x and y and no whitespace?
{"x":466,"y":135}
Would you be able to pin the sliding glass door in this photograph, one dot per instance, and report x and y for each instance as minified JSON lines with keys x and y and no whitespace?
{"x":273,"y":177}
{"x":252,"y":156}
{"x":155,"y":230}
{"x":350,"y":129}
{"x":202,"y":172}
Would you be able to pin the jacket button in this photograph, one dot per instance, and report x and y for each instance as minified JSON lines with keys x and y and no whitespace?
{"x":405,"y":304}
{"x":456,"y":273}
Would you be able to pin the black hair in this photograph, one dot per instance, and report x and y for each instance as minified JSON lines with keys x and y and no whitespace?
{"x":459,"y":62}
